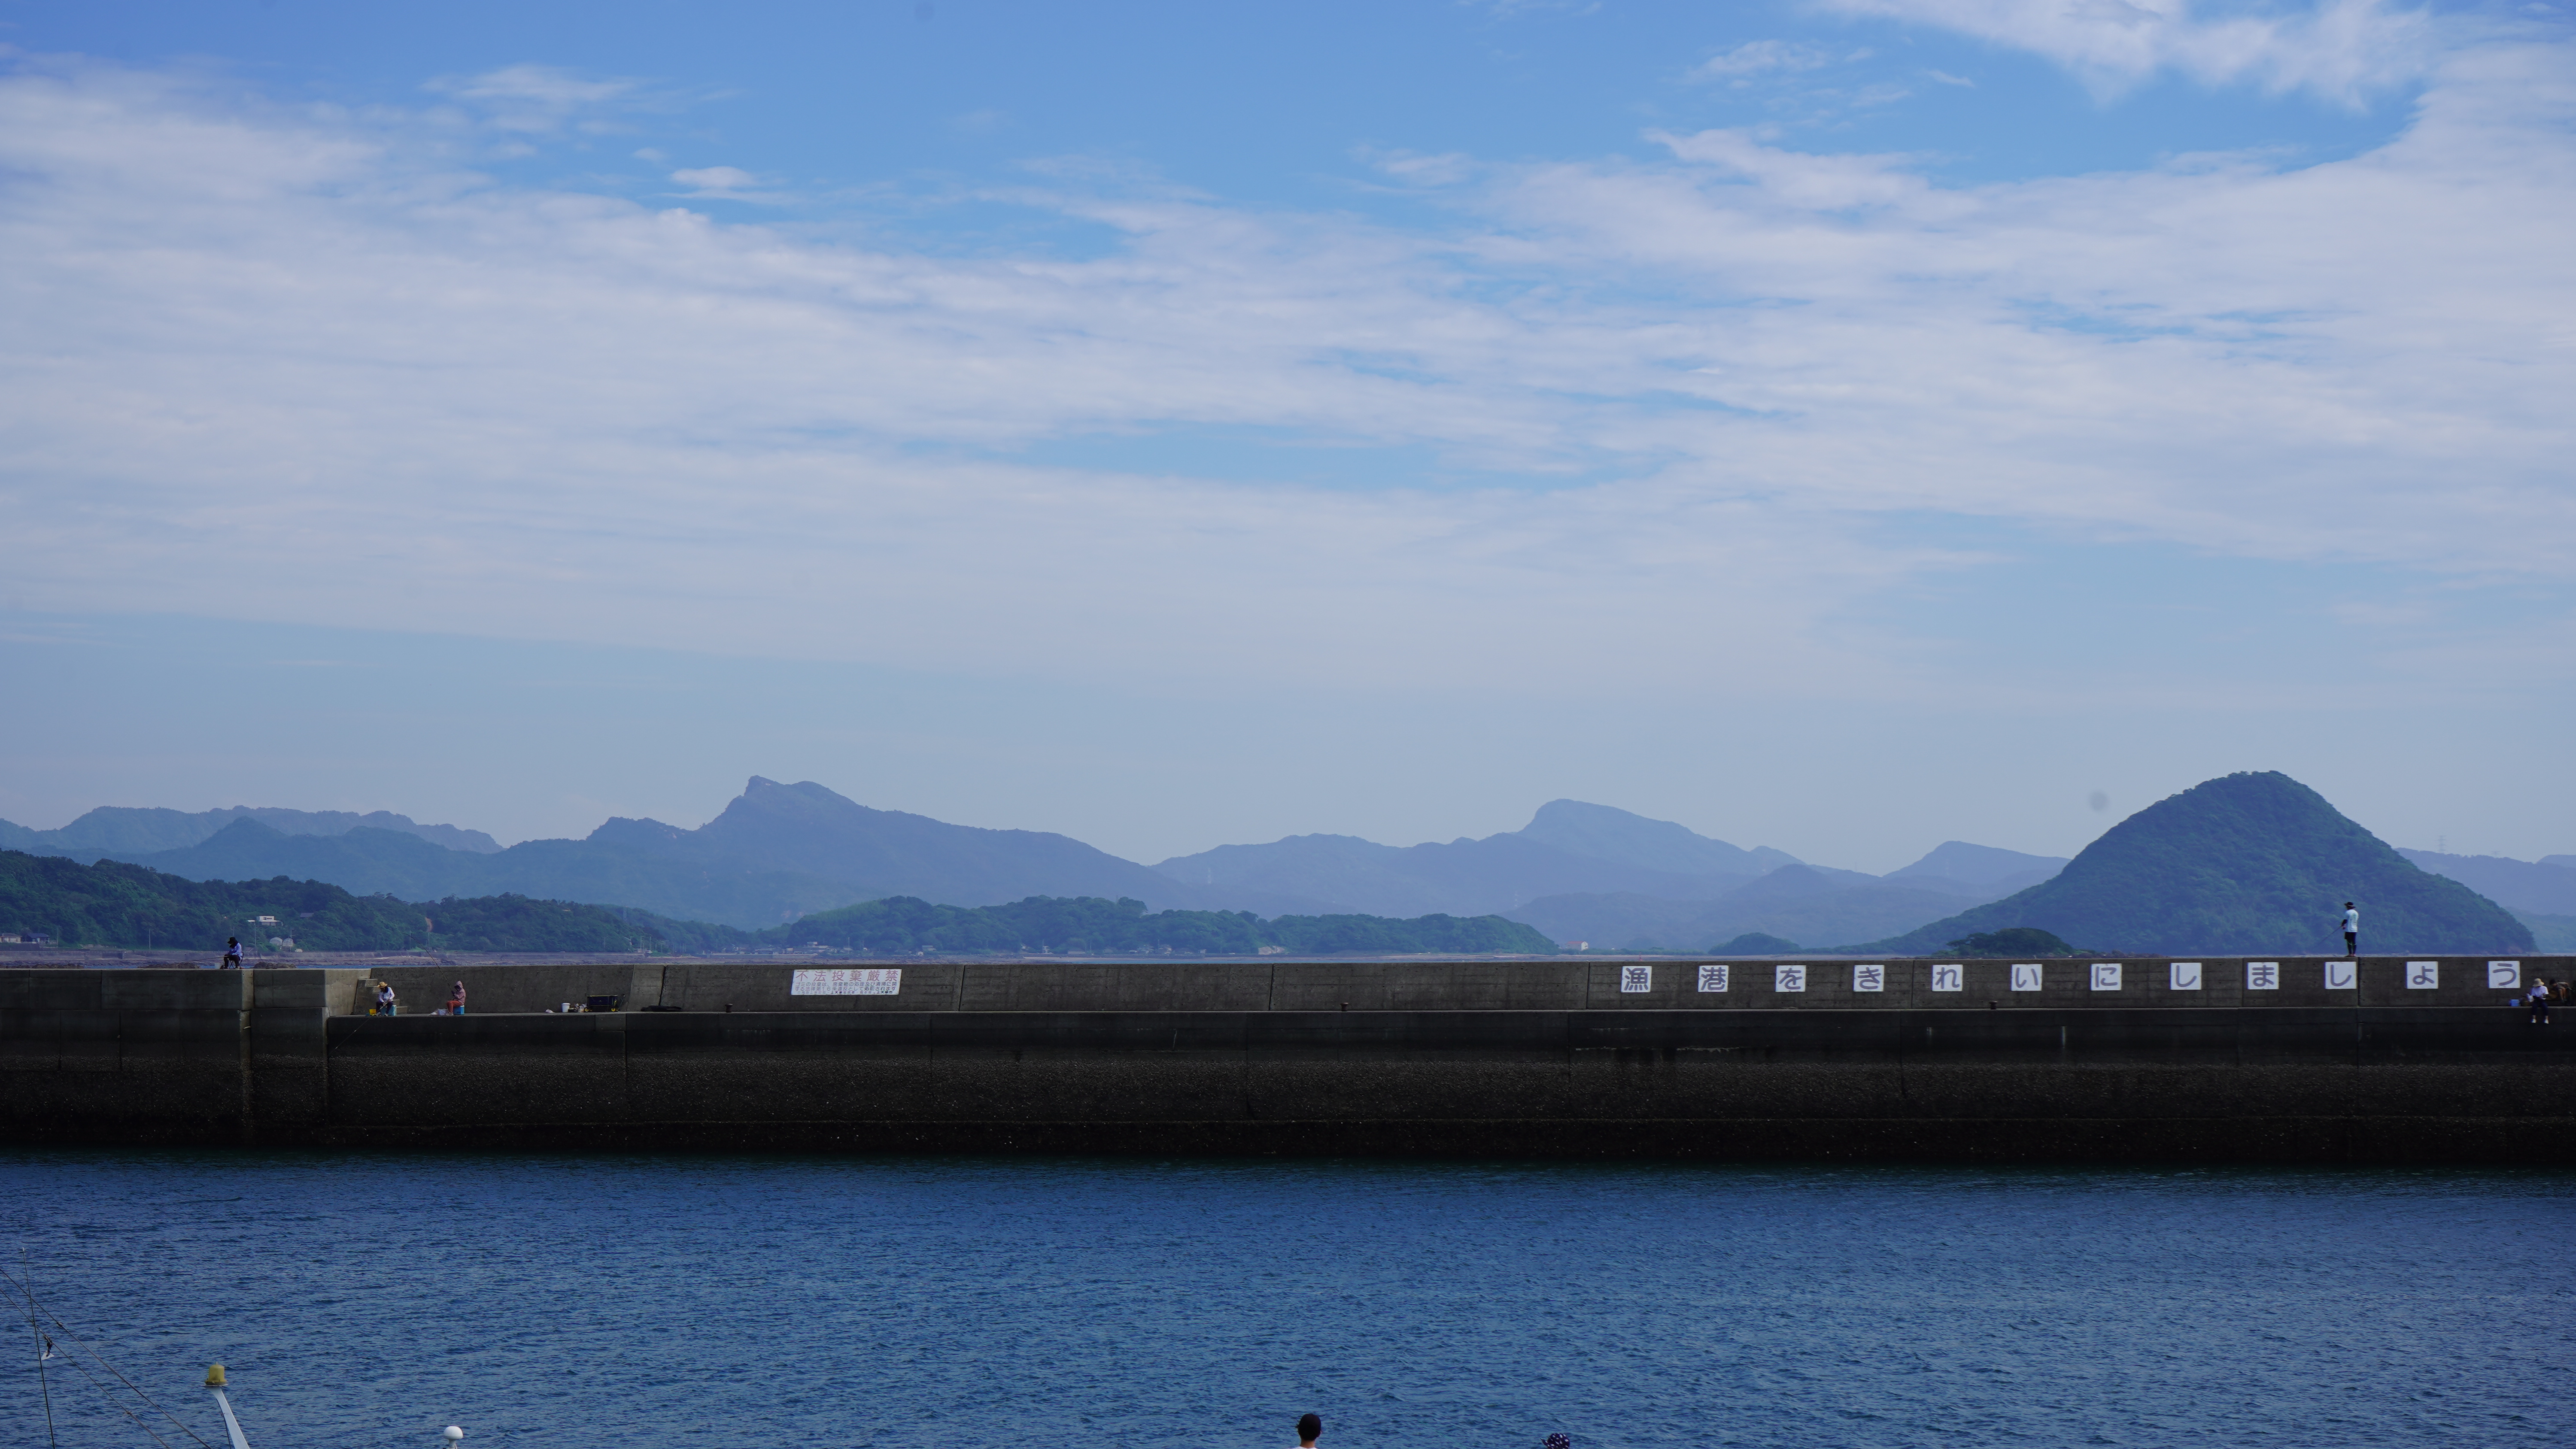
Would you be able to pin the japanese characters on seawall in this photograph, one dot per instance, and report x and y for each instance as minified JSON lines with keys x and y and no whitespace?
{"x":847,"y":981}
{"x":1872,"y":977}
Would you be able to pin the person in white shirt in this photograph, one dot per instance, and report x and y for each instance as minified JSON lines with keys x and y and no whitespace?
{"x":2538,"y":1000}
{"x":2351,"y":929}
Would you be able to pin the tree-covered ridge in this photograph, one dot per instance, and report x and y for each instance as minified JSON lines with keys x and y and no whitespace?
{"x":113,"y":904}
{"x":2253,"y":862}
{"x":903,"y":925}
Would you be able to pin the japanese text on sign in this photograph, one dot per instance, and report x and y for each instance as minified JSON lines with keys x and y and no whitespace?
{"x":2504,"y":975}
{"x":1633,"y":979}
{"x":2184,"y":975}
{"x":2262,"y":975}
{"x":1870,"y":978}
{"x":847,"y":981}
{"x":1948,"y":976}
{"x":2423,"y":975}
{"x":2106,"y":975}
{"x":1712,"y":978}
{"x":2025,"y":976}
{"x":2342,"y":975}
{"x":1789,"y":978}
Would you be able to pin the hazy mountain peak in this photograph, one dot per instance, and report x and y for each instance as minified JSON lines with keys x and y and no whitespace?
{"x":1978,"y":864}
{"x":644,"y":834}
{"x":1605,"y":832}
{"x":122,"y":830}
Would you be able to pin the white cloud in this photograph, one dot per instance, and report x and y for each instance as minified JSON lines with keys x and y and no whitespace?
{"x":723,"y":183}
{"x":2342,"y":50}
{"x":277,"y":367}
{"x":536,"y":98}
{"x":1762,"y":57}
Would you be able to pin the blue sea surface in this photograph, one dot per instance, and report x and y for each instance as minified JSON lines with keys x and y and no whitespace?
{"x":368,"y":1300}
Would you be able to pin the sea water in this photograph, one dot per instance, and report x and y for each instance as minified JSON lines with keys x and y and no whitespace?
{"x":369,"y":1300}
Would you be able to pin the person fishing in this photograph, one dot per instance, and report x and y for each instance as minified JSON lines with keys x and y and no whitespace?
{"x":456,"y":1000}
{"x":2351,"y":929}
{"x":232,"y":953}
{"x":384,"y":998}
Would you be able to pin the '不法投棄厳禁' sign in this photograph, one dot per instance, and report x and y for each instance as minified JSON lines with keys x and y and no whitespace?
{"x":848,"y":981}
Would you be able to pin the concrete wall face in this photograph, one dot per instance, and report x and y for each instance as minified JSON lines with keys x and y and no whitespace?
{"x":1578,"y":985}
{"x":1560,"y":1058}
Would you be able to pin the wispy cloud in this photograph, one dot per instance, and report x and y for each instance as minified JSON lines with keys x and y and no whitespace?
{"x":725,"y":183}
{"x":2340,"y":50}
{"x":1762,"y":57}
{"x":537,"y":98}
{"x":1720,"y":383}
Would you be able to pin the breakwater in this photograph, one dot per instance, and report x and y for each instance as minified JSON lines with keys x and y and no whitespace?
{"x":2292,"y":1060}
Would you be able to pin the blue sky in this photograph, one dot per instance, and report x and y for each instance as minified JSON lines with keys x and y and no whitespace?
{"x":1841,"y":426}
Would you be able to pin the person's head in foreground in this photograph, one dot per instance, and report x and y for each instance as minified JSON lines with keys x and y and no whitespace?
{"x":1309,"y":1429}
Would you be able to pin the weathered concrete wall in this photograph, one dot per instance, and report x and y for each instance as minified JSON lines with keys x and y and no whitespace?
{"x":1263,"y":1058}
{"x":1576,"y":985}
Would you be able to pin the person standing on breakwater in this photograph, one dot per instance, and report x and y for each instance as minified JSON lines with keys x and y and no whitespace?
{"x":2351,"y":929}
{"x":456,"y":1000}
{"x":1309,"y":1429}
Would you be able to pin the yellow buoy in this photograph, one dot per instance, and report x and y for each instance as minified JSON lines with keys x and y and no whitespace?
{"x":214,"y":1376}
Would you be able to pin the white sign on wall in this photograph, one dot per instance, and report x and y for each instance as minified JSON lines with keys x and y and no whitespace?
{"x":2184,"y":975}
{"x":2504,"y":975}
{"x":2343,"y":975}
{"x":1633,"y":979}
{"x":2262,"y":975}
{"x":1712,"y":978}
{"x":1789,"y":978}
{"x":847,"y":981}
{"x":2423,"y":975}
{"x":1949,"y":976}
{"x":2025,"y":976}
{"x":2106,"y":975}
{"x":1872,"y":977}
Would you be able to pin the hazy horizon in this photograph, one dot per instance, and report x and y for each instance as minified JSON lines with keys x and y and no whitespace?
{"x":1840,"y":426}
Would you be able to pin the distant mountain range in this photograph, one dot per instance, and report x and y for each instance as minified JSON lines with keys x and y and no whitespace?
{"x":119,"y":832}
{"x":781,"y":852}
{"x":777,"y":852}
{"x":2249,"y":862}
{"x":1576,"y":872}
{"x":1582,"y":872}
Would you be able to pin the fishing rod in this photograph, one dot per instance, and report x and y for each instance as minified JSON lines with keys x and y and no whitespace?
{"x":27,"y":1290}
{"x":44,"y":1345}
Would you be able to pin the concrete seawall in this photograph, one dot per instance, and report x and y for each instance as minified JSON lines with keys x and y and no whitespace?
{"x":1428,"y":1058}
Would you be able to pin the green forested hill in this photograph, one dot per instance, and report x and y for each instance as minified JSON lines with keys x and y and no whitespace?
{"x":902,"y":924}
{"x":2245,"y":863}
{"x":109,"y":904}
{"x":113,"y":904}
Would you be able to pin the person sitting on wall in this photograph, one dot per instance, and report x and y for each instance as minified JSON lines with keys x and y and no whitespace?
{"x":384,"y":998}
{"x":232,"y":953}
{"x":2539,"y":1002}
{"x":456,"y":1000}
